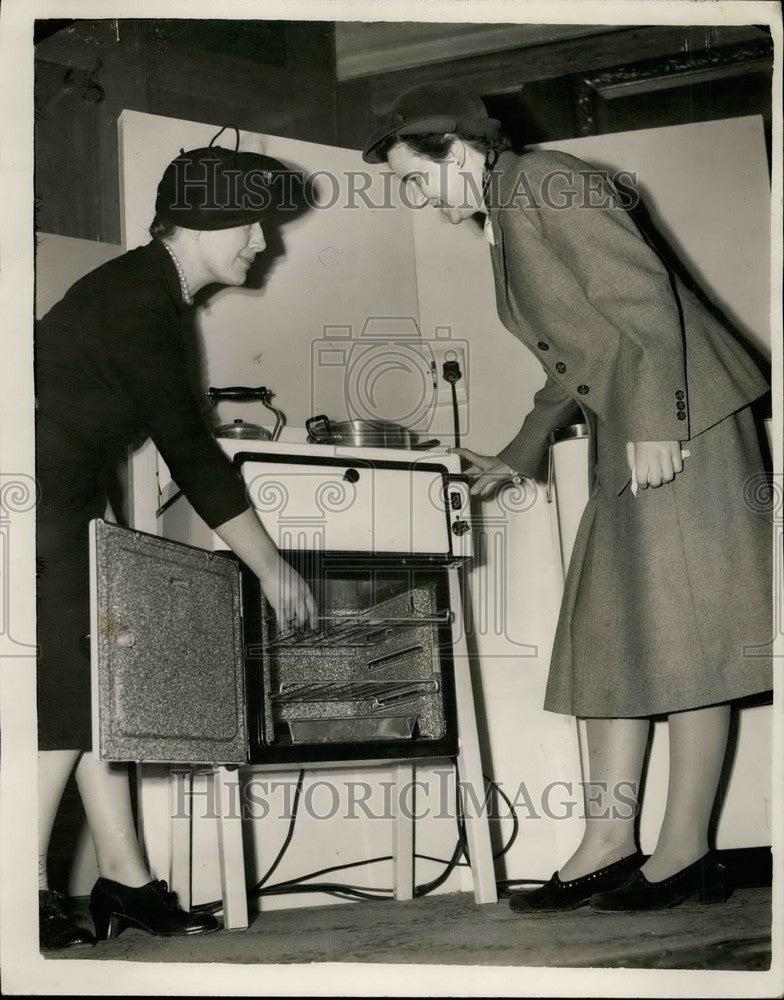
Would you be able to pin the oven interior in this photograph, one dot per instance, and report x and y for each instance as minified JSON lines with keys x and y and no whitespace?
{"x":376,"y":675}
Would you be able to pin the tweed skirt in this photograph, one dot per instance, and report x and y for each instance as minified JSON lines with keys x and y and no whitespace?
{"x":668,"y":599}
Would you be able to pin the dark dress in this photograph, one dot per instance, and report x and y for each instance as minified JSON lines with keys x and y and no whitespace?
{"x":111,"y":369}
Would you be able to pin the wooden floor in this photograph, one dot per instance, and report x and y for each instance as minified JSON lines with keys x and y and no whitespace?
{"x":453,"y":930}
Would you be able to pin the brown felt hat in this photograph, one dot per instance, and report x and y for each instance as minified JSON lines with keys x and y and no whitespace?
{"x":432,"y":108}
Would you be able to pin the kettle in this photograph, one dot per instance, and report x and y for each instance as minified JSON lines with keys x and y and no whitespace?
{"x":240,"y":429}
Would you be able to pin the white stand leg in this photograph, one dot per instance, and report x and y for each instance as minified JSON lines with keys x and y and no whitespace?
{"x":141,"y":829}
{"x":180,"y":810}
{"x":230,"y":853}
{"x":403,"y":833}
{"x":153,"y":805}
{"x":469,"y":763}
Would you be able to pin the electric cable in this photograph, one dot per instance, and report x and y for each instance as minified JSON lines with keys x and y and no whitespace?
{"x":452,"y":375}
{"x":289,"y":832}
{"x":455,"y":415}
{"x":302,"y":883}
{"x":492,"y":785}
{"x":512,"y":814}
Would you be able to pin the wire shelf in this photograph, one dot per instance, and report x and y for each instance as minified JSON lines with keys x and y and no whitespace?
{"x":382,"y":694}
{"x":356,"y":630}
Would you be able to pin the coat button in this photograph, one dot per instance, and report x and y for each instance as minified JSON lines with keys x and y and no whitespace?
{"x":543,"y":346}
{"x":681,"y":415}
{"x":679,"y":394}
{"x":560,"y":367}
{"x":681,"y":405}
{"x":583,"y":390}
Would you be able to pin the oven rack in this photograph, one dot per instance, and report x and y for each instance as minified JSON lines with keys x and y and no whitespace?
{"x":356,"y":630}
{"x":383,"y":694}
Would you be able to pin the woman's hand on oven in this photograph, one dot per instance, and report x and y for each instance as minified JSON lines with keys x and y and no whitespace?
{"x":653,"y":463}
{"x":488,"y":472}
{"x":290,"y":598}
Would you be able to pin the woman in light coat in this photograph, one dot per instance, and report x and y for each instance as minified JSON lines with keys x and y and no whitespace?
{"x":667,"y":603}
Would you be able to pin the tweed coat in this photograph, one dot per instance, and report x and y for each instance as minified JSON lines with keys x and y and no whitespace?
{"x":614,"y":330}
{"x":665,"y":594}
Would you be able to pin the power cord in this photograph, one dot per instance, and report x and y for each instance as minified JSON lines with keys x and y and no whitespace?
{"x":289,"y":833}
{"x":302,"y":883}
{"x":452,"y":375}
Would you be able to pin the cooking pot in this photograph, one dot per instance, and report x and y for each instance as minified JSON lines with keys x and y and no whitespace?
{"x":363,"y":434}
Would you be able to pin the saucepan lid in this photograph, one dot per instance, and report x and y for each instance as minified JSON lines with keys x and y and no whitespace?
{"x":240,"y":430}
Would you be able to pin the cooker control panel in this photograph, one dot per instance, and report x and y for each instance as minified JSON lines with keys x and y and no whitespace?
{"x":347,"y":503}
{"x":458,"y":510}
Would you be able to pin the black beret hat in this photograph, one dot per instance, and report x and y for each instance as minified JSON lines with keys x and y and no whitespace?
{"x":216,"y":188}
{"x":432,"y":108}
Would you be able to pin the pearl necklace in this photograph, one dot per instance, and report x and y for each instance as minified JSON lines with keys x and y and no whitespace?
{"x":186,"y":293}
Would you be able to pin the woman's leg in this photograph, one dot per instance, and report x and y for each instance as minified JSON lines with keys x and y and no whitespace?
{"x":106,"y":796}
{"x":54,"y":768}
{"x":698,"y":744}
{"x":616,"y":750}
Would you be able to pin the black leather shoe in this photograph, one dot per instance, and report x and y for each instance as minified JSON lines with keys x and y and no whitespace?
{"x":55,"y":929}
{"x":555,"y":895}
{"x":152,"y":907}
{"x":705,"y":879}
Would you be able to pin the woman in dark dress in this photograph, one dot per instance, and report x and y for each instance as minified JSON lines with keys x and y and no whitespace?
{"x":111,"y":368}
{"x":667,"y":607}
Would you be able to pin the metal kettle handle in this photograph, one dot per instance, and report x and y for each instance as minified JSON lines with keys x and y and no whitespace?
{"x":280,"y":418}
{"x":238,"y":392}
{"x":246,"y":393}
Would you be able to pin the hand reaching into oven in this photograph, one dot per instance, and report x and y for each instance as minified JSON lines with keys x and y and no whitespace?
{"x":284,"y":588}
{"x":290,"y":598}
{"x":488,"y":471}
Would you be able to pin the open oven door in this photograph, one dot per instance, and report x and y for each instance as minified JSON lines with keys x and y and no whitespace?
{"x":166,"y":644}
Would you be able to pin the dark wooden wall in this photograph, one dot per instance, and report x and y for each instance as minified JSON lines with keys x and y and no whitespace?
{"x":640,"y":77}
{"x":279,"y":77}
{"x":274,"y":77}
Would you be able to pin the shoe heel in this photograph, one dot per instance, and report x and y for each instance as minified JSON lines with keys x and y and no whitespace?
{"x":107,"y":924}
{"x":716,"y":892}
